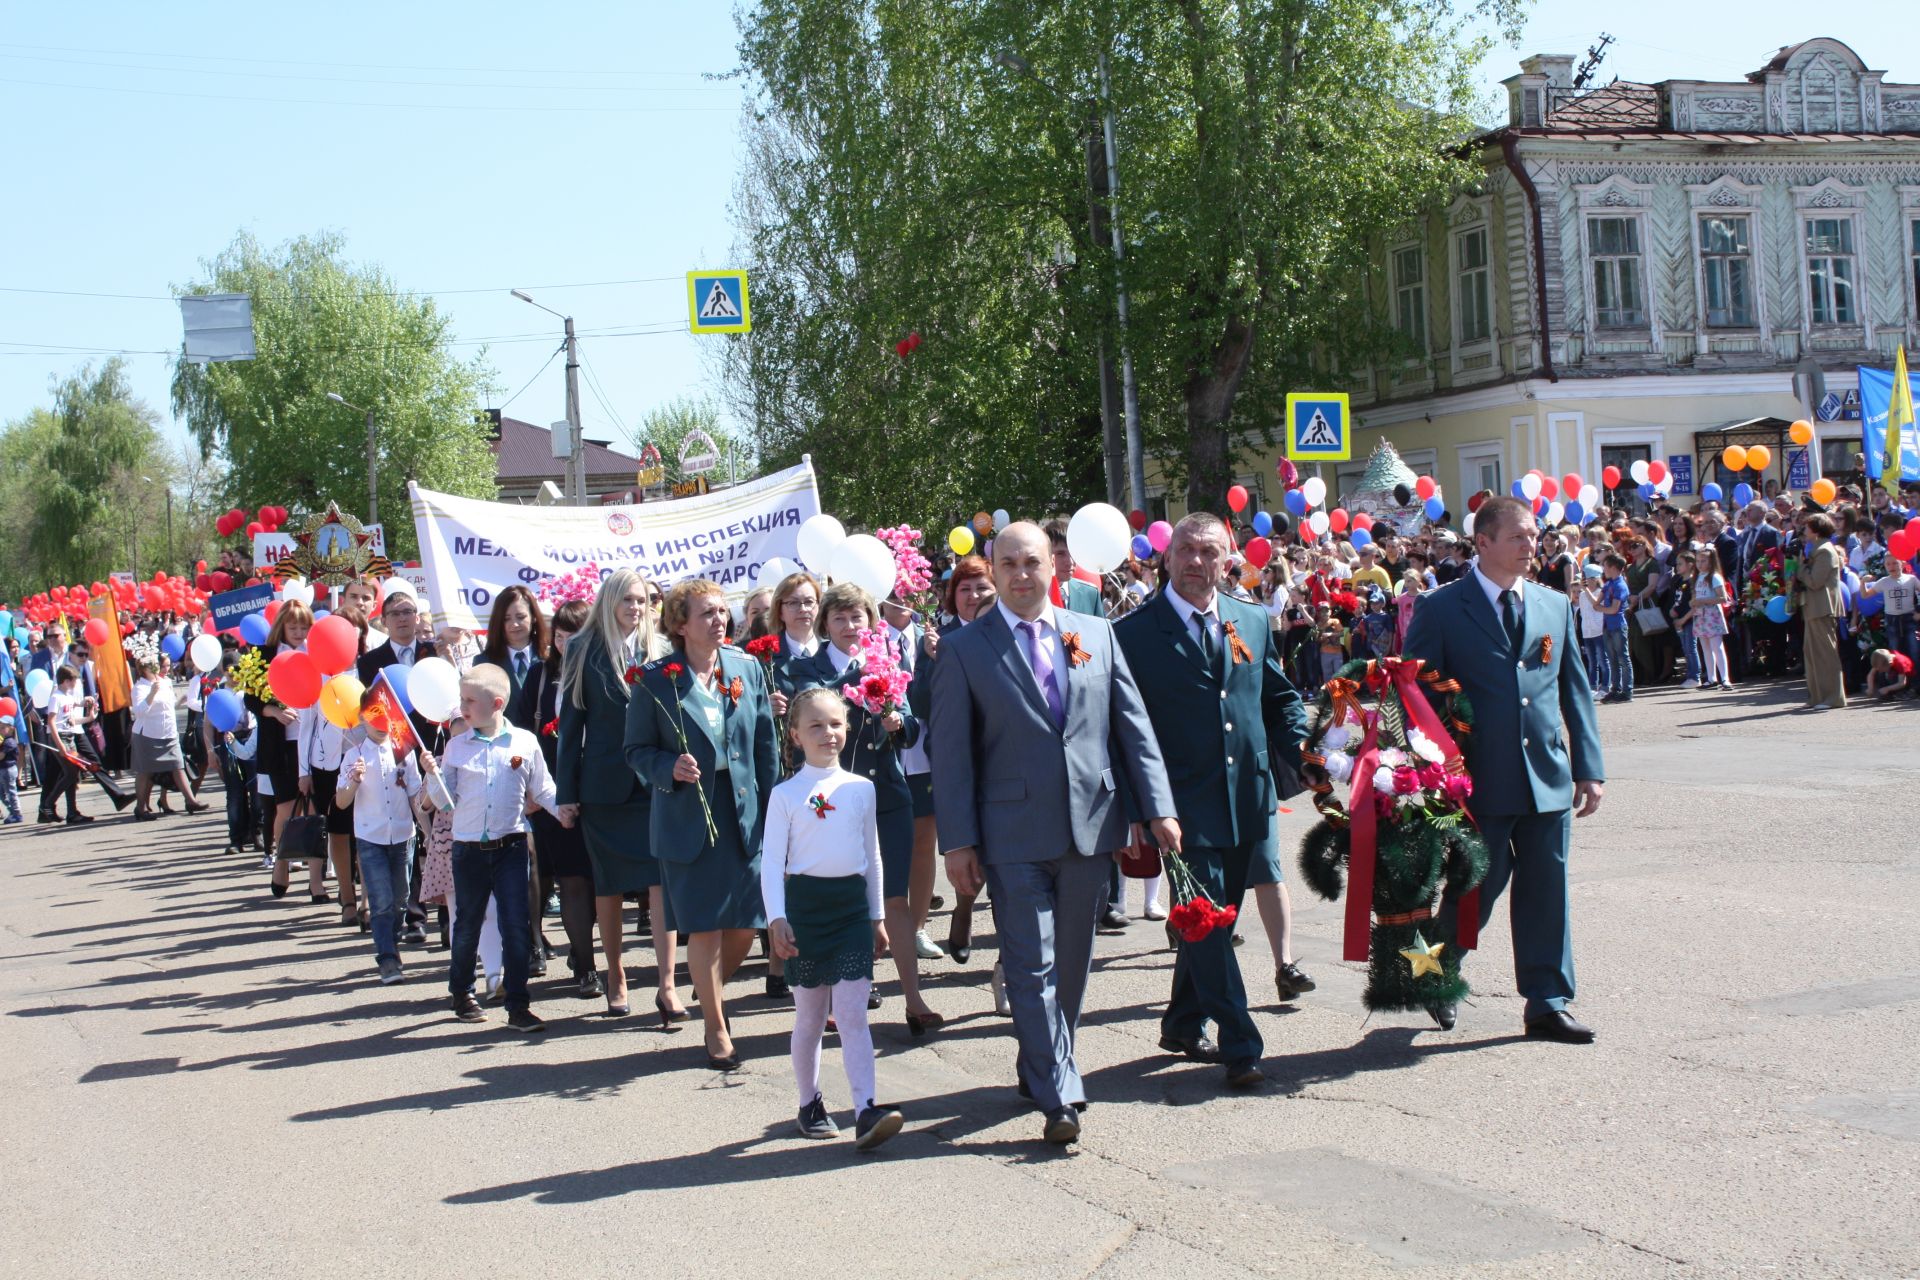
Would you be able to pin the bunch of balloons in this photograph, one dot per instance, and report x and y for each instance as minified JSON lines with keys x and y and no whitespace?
{"x":268,"y":520}
{"x":162,"y":593}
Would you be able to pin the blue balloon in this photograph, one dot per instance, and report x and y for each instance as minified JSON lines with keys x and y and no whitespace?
{"x":224,"y":709}
{"x":1296,"y":502}
{"x":396,"y":677}
{"x":1359,"y":537}
{"x":1262,"y":523}
{"x":1777,"y":609}
{"x":1575,"y":513}
{"x":1519,"y":491}
{"x":1646,"y":492}
{"x":254,"y":629}
{"x":322,"y":613}
{"x":1434,"y":507}
{"x":1141,"y":547}
{"x":1710,"y":492}
{"x":1871,"y":604}
{"x":1743,"y":493}
{"x":173,"y":646}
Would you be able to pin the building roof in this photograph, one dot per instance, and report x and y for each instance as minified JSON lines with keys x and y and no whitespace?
{"x":1620,"y":105}
{"x":1689,"y":135}
{"x":523,"y":451}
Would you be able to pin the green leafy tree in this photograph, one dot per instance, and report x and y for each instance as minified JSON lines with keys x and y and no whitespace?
{"x":322,"y":324}
{"x":927,"y":168}
{"x":667,"y":427}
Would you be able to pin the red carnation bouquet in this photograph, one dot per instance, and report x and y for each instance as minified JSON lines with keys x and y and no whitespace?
{"x":1194,"y":914}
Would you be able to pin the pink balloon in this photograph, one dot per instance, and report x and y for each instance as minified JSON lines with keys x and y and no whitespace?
{"x":1159,"y":535}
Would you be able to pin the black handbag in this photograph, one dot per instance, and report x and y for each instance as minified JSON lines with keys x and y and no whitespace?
{"x":304,"y":839}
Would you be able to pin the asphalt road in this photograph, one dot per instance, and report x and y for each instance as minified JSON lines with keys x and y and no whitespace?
{"x":202,"y":1080}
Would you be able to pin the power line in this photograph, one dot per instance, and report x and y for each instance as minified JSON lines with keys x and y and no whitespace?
{"x":593,"y":385}
{"x":487,"y":85}
{"x":536,"y":377}
{"x":377,"y":106}
{"x":651,"y":330}
{"x":352,"y":66}
{"x":364,"y":293}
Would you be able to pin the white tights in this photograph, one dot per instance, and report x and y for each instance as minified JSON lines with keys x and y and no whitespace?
{"x":1713,"y":658}
{"x":847,"y":1002}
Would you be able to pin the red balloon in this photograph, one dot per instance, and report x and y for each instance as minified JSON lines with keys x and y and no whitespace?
{"x":1473,"y":503}
{"x":1570,"y":484}
{"x":96,"y":631}
{"x":1900,"y":546}
{"x":9,"y":707}
{"x":1237,"y":497}
{"x":295,"y":680}
{"x":1610,"y":478}
{"x":1913,"y":528}
{"x":126,"y":629}
{"x":266,"y":514}
{"x":1424,"y":487}
{"x":254,"y":528}
{"x":901,"y":348}
{"x":1549,"y":488}
{"x":333,"y":644}
{"x":1337,"y":520}
{"x":1138,"y":519}
{"x":222,"y":580}
{"x":1259,"y":551}
{"x":1360,"y":521}
{"x":913,"y":341}
{"x":272,"y":611}
{"x":1656,"y":471}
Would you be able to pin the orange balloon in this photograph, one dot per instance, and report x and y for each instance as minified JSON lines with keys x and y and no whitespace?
{"x":1801,"y":432}
{"x":1822,"y":491}
{"x":982,"y":522}
{"x":1735,"y":457}
{"x":1758,"y":456}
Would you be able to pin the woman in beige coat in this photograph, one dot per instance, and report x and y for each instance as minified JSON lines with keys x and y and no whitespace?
{"x":1818,"y":579}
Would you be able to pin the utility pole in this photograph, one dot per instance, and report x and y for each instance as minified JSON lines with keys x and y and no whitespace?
{"x":1112,"y":440}
{"x":1130,"y":390}
{"x":373,"y":477}
{"x":577,"y":457}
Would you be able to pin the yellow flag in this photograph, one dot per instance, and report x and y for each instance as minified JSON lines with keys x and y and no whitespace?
{"x":1899,"y":424}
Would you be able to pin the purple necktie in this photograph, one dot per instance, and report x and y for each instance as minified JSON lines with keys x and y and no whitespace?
{"x":1040,"y":656}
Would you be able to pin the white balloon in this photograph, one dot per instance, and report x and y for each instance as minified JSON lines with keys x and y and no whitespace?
{"x":1530,"y":486}
{"x":205,"y":652}
{"x":1666,"y":484}
{"x":433,"y":686}
{"x":1466,"y":526}
{"x":39,"y":689}
{"x":1001,"y":519}
{"x":1099,"y":537}
{"x":1555,"y":514}
{"x":297,"y":589}
{"x":817,"y":539}
{"x":1638,"y":470}
{"x":1318,"y":521}
{"x":1589,"y":496}
{"x":1314,"y":490}
{"x":774,"y":570}
{"x":865,"y":561}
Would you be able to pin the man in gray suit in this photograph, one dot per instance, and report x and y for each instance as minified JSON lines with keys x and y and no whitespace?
{"x":1035,"y":719}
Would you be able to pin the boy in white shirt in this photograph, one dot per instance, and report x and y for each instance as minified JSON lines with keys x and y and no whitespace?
{"x":1593,"y":627}
{"x":1900,"y":591}
{"x":378,"y":787}
{"x":493,"y":775}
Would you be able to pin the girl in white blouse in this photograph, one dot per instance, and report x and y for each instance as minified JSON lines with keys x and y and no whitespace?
{"x":820,"y":875}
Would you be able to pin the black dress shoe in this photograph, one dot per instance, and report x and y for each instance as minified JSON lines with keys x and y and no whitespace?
{"x":777,"y":988}
{"x":1245,"y":1074}
{"x":1559,"y":1025}
{"x":1198,"y":1049}
{"x":587,"y":985}
{"x":1112,"y":922}
{"x":1063,"y":1126}
{"x":1443,"y":1014}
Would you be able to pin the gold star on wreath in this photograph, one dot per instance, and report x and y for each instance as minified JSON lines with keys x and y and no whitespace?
{"x":1424,"y":959}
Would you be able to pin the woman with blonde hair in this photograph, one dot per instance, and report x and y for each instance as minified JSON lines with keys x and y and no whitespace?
{"x":594,"y":786}
{"x":276,"y":752}
{"x":700,"y":734}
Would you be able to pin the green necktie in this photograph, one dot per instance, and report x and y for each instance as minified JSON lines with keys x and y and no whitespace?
{"x":1510,"y":617}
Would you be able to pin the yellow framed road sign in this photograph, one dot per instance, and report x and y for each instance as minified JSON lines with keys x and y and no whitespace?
{"x":717,"y":302}
{"x":1319,"y":426}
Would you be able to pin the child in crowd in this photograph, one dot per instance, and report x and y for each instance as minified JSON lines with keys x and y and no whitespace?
{"x":1330,"y":637}
{"x":1614,"y":595}
{"x":1888,"y":673}
{"x":10,"y":768}
{"x":1709,"y":621}
{"x":492,"y":776}
{"x":1593,"y":629}
{"x":1899,"y":590}
{"x":820,"y":877}
{"x":377,"y":786}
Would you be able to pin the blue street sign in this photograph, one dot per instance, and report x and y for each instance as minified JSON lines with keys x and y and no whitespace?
{"x":1319,"y":426}
{"x":717,"y":302}
{"x":1799,"y":469}
{"x":229,"y":607}
{"x":1680,"y":467}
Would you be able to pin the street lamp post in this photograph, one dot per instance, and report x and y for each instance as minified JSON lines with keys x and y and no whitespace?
{"x":576,"y":469}
{"x":373,"y":475}
{"x":168,"y":490}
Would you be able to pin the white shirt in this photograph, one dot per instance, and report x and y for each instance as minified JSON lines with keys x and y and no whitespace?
{"x":841,"y":661}
{"x":515,"y":657}
{"x":1187,"y":610}
{"x":380,"y":811}
{"x":155,"y":719}
{"x":1493,"y":590}
{"x":803,"y":647}
{"x":801,"y":841}
{"x":1593,"y":623}
{"x":478,"y":784}
{"x":322,"y":743}
{"x":1046,"y":631}
{"x":403,"y":653}
{"x":69,"y":712}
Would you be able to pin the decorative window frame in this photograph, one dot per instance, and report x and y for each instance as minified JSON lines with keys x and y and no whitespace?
{"x":1727,"y":194}
{"x":1411,"y":237}
{"x":1909,"y":215}
{"x":1827,"y":199}
{"x":1617,"y":197}
{"x":1466,"y":215}
{"x":1471,"y":455}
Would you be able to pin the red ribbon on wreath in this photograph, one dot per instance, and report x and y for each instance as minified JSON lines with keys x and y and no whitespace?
{"x":1363,"y":829}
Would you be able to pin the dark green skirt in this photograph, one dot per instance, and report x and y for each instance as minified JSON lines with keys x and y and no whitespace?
{"x":832,"y":929}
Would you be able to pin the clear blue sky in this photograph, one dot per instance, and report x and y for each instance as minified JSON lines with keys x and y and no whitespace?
{"x":142,"y":137}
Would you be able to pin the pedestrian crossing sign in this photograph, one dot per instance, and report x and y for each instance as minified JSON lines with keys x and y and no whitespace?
{"x":717,"y":302}
{"x":1319,"y":426}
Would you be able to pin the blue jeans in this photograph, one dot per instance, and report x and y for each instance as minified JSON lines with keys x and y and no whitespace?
{"x":10,"y":781}
{"x":384,"y":870}
{"x":1691,"y":648}
{"x":1900,"y":633}
{"x":502,"y":873}
{"x":242,"y":792}
{"x":1599,"y":671}
{"x":1620,"y":664}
